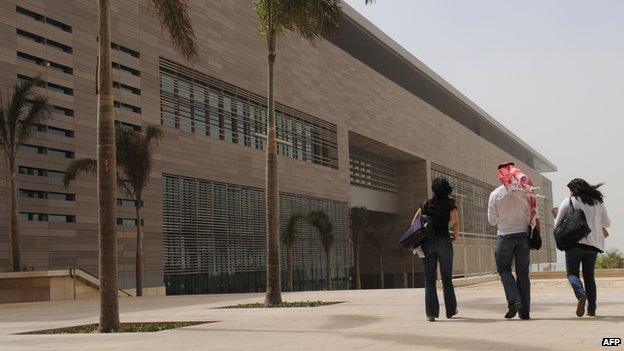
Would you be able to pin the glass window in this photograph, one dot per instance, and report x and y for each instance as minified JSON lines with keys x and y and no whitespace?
{"x":166,"y":83}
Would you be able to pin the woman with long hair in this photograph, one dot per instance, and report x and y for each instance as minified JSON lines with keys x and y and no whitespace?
{"x":439,"y":249}
{"x":588,"y":198}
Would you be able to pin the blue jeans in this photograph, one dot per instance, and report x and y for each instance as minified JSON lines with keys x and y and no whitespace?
{"x":574,"y":258}
{"x":439,"y":249}
{"x":515,"y":247}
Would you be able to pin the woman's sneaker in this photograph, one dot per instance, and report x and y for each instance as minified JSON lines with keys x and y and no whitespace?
{"x":580,"y":307}
{"x":449,"y":316}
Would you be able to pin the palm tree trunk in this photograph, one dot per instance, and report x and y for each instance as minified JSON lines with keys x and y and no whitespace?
{"x":381,"y":269}
{"x":140,"y":263}
{"x":273,"y":289}
{"x":13,"y":216}
{"x":328,"y":281}
{"x":106,"y":178}
{"x":289,"y":267}
{"x":356,"y":258}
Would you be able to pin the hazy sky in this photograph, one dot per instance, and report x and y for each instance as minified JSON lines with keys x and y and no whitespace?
{"x":552,"y":71}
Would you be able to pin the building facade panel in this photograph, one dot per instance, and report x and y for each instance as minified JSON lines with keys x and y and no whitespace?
{"x":326,"y":97}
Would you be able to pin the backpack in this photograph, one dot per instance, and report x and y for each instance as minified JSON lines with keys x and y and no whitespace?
{"x":572,"y":229}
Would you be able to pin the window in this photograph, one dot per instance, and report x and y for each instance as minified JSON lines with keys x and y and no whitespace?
{"x":33,"y":194}
{"x":127,"y":107}
{"x":126,"y":50}
{"x":60,"y":153}
{"x":50,"y":86}
{"x":56,"y":174}
{"x":130,"y":222}
{"x":33,"y":149}
{"x":62,"y":111}
{"x":41,"y":40}
{"x":61,"y":196}
{"x":126,"y":202}
{"x":127,"y":88}
{"x":59,"y":88}
{"x":61,"y":218}
{"x":128,"y":126}
{"x":40,"y":172}
{"x":41,"y":62}
{"x":200,"y":104}
{"x":36,"y":217}
{"x":126,"y":69}
{"x":60,"y":132}
{"x":41,"y":18}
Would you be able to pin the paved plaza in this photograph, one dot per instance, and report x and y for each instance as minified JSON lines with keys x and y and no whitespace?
{"x":366,"y":320}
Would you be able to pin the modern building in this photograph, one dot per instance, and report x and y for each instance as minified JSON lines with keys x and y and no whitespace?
{"x":364,"y":123}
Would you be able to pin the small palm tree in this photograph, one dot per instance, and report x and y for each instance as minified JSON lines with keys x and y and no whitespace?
{"x":310,"y":19}
{"x":610,"y":259}
{"x":289,"y":236}
{"x":359,"y":222}
{"x":320,"y":220}
{"x":175,"y":20}
{"x":378,"y":238}
{"x":134,"y":157}
{"x":24,"y":110}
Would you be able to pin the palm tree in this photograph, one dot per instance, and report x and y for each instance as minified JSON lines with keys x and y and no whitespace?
{"x":320,"y":220}
{"x":359,"y":222}
{"x":310,"y":19}
{"x":288,"y":238}
{"x":175,"y":19}
{"x":26,"y":109}
{"x":378,"y":237}
{"x":134,"y":157}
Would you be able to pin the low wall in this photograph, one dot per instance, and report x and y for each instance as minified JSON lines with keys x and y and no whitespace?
{"x":52,"y":285}
{"x":600,"y":273}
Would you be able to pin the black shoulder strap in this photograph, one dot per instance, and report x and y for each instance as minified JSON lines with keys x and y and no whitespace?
{"x":571,"y":204}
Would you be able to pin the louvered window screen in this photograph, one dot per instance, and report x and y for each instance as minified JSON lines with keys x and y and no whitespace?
{"x":472,"y":200}
{"x":219,"y":229}
{"x":373,"y":171}
{"x":196,"y":103}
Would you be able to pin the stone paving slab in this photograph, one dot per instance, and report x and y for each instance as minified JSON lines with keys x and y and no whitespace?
{"x":366,"y":320}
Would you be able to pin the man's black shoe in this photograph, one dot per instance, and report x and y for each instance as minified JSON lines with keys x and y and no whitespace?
{"x":513,"y":310}
{"x":524,"y":316}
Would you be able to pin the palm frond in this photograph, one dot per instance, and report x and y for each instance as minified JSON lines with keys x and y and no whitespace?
{"x":175,"y":20}
{"x":153,"y":132}
{"x":310,"y":18}
{"x":135,"y":155}
{"x":320,"y":220}
{"x":39,"y":110}
{"x":290,"y":234}
{"x":83,"y":165}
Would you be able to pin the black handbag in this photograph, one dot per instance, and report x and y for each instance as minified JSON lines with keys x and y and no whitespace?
{"x":535,"y":240}
{"x":418,"y":232}
{"x":572,"y":229}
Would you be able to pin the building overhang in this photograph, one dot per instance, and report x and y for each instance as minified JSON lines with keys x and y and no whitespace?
{"x":364,"y":41}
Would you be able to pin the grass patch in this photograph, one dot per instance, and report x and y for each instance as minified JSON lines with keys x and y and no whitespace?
{"x":285,"y":304}
{"x":141,"y":327}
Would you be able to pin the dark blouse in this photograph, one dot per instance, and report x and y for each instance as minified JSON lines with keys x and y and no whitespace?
{"x":440,"y":211}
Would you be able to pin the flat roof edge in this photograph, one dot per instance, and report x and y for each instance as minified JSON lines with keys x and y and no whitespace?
{"x":368,"y":26}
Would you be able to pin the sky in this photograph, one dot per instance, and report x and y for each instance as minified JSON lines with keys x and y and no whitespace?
{"x":551,"y":71}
